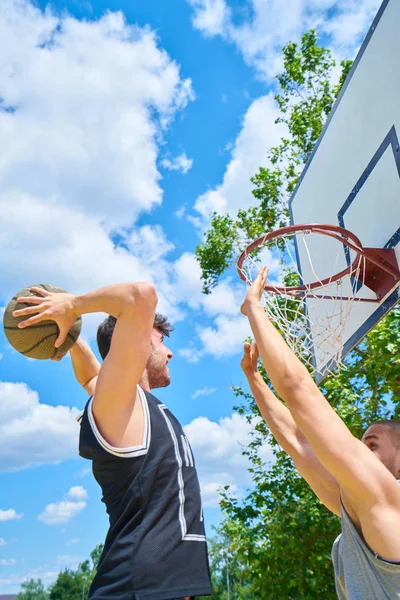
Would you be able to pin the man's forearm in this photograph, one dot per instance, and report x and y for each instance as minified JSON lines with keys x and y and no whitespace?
{"x":113,"y":299}
{"x":282,"y":365}
{"x":292,"y":440}
{"x":277,"y":416}
{"x":84,"y":362}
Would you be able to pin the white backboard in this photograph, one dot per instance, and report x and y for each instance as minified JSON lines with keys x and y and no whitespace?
{"x":353,"y":176}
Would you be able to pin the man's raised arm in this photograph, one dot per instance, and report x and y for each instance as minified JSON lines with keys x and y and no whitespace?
{"x":356,"y":469}
{"x":288,"y":435}
{"x":133,"y":305}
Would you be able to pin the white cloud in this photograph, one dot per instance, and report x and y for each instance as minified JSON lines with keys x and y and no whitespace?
{"x":262,"y":28}
{"x":226,"y":337}
{"x":77,"y":492}
{"x":91,"y":97}
{"x":204,"y":392}
{"x":59,"y":513}
{"x":227,"y":331}
{"x":68,"y":562}
{"x":191,"y":354}
{"x":258,"y":134}
{"x":85,"y":105}
{"x":180,"y":163}
{"x":180,"y":213}
{"x":9,"y":515}
{"x":84,"y":472}
{"x":223,"y":300}
{"x":4,"y":562}
{"x":73,"y":541}
{"x":217,"y":447}
{"x":2,"y":542}
{"x":32,"y":433}
{"x":211,"y":16}
{"x":188,"y":278}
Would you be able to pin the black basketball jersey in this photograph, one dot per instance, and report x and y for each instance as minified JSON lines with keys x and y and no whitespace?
{"x":155,"y":547}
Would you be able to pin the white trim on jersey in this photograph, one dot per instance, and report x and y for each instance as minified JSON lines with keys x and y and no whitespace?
{"x":125,"y":452}
{"x":185,"y":450}
{"x":181,"y":484}
{"x":188,"y":451}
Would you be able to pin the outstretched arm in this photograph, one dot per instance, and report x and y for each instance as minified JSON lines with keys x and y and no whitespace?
{"x":288,"y":435}
{"x":359,"y":473}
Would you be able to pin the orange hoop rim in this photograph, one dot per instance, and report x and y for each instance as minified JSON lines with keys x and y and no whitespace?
{"x":344,"y":236}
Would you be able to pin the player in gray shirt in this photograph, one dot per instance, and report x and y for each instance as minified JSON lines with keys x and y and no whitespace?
{"x":356,"y":480}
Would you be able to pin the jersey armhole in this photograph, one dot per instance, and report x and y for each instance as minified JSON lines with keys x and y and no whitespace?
{"x":132,"y":451}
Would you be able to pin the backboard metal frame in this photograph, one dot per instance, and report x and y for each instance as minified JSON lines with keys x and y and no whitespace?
{"x":390,"y":141}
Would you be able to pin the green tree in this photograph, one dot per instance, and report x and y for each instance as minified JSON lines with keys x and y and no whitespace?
{"x":74,"y":585}
{"x":305,"y":99}
{"x":33,"y":589}
{"x":228,"y":573}
{"x":280,"y":533}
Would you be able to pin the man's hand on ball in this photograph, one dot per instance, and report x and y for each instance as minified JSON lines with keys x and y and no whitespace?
{"x":58,"y":307}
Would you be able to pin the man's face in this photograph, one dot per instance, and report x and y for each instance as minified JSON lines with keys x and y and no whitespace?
{"x":379,"y":440}
{"x":157,"y":364}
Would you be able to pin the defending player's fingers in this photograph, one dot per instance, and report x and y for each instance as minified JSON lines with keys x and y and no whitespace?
{"x":254,"y":352}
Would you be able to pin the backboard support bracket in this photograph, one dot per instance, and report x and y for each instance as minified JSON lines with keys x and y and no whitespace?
{"x":381,"y":273}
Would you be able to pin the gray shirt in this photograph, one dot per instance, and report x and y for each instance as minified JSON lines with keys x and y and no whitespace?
{"x":361,"y":574}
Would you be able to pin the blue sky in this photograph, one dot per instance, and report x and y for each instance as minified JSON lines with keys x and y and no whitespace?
{"x":132,"y":122}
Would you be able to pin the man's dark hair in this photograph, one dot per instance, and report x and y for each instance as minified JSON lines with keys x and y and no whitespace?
{"x":106,"y":329}
{"x":394,"y":427}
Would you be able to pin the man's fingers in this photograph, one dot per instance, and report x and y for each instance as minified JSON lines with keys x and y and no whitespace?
{"x":39,"y":290}
{"x":32,"y":321}
{"x":61,"y":338}
{"x":247,"y":347}
{"x":28,"y":310}
{"x":30,"y":300}
{"x":264,"y":275}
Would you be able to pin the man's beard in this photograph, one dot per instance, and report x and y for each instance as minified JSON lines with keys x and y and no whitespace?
{"x":158,"y":378}
{"x":157,"y":371}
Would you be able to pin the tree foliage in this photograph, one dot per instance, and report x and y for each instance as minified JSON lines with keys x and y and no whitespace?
{"x":305,"y":99}
{"x":279,"y":533}
{"x":33,"y":589}
{"x":69,"y":585}
{"x":74,"y":585}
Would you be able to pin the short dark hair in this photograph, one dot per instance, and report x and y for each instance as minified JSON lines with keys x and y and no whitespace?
{"x":106,"y":329}
{"x":394,"y":427}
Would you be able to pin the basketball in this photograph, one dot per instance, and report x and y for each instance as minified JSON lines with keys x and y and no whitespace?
{"x":37,"y":341}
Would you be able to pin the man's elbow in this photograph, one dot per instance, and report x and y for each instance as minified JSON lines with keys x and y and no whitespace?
{"x":143,"y":293}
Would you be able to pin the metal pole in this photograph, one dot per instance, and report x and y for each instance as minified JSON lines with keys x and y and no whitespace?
{"x":227,"y":574}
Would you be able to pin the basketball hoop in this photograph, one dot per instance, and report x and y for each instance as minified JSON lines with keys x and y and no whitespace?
{"x":311,"y":308}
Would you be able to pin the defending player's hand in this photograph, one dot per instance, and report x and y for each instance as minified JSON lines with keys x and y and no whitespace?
{"x":49,"y":306}
{"x":255,"y":291}
{"x":249,"y":362}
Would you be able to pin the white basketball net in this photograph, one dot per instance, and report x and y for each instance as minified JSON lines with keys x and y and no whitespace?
{"x":312,"y":326}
